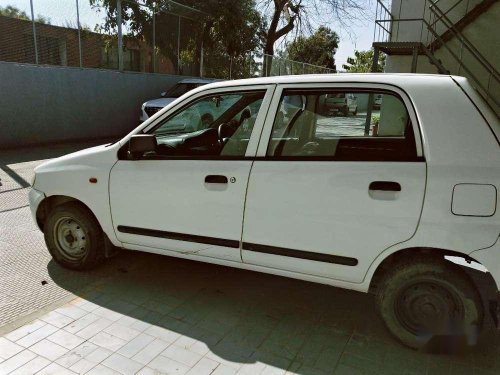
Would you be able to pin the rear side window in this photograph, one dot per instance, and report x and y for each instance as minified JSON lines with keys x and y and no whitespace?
{"x":342,"y":125}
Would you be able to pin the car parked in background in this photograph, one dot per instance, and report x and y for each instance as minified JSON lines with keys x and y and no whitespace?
{"x":150,"y":107}
{"x":341,"y":102}
{"x":407,"y":212}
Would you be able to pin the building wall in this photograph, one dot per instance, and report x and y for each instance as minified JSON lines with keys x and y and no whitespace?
{"x":46,"y":104}
{"x":481,"y":33}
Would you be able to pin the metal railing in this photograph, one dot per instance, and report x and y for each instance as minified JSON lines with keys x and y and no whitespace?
{"x":278,"y":66}
{"x":434,"y":25}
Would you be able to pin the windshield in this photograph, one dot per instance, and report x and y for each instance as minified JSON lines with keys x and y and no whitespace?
{"x":181,"y":88}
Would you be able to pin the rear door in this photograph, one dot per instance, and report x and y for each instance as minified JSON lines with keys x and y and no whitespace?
{"x":328,"y":193}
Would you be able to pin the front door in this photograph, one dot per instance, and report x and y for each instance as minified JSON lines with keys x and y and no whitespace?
{"x":333,"y":192}
{"x":189,"y":195}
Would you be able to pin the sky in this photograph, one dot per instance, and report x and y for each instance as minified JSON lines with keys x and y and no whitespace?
{"x":360,"y":35}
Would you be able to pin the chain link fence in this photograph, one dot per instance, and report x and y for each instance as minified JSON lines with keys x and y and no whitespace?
{"x":167,"y":40}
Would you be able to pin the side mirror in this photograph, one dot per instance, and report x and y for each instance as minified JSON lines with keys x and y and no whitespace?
{"x":163,"y":94}
{"x":140,"y":144}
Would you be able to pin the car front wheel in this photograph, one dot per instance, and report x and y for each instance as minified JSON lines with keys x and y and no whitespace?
{"x":73,"y":236}
{"x":424,"y":303}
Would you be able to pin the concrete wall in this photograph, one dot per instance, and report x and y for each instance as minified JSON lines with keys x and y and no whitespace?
{"x":46,"y":104}
{"x":481,"y":33}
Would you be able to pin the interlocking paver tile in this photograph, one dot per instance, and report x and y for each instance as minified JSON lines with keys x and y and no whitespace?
{"x":65,"y":339}
{"x":94,"y":328}
{"x":71,"y":311}
{"x":204,"y":367}
{"x":107,"y":313}
{"x":152,"y":350}
{"x":163,"y":334}
{"x":16,"y":361}
{"x":32,"y":367}
{"x":122,"y":332}
{"x":56,"y":319}
{"x":181,"y":355}
{"x":48,"y":349}
{"x":168,"y":366}
{"x":102,"y":370}
{"x":24,"y":330}
{"x":99,"y":355}
{"x":82,"y":323}
{"x":135,"y":345}
{"x":83,"y":366}
{"x":8,"y":348}
{"x":224,"y":370}
{"x":122,"y":364}
{"x":78,"y":353}
{"x":37,"y":335}
{"x":107,"y":341}
{"x":55,"y":369}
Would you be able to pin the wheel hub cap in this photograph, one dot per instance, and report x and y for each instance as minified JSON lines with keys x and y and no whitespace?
{"x":70,"y":238}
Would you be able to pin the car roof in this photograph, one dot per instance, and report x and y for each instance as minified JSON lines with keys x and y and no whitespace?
{"x":399,"y":79}
{"x":197,"y":80}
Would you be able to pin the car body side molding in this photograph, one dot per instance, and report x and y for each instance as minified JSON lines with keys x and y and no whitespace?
{"x":318,"y":257}
{"x":179,"y":236}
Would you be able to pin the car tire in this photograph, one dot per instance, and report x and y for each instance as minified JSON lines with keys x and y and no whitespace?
{"x":425,"y":303}
{"x":345,"y":111}
{"x":74,"y":237}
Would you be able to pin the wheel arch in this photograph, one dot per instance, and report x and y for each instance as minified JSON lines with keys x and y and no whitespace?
{"x":49,"y":203}
{"x":483,"y":282}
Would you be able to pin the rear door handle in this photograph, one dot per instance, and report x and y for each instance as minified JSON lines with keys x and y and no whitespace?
{"x":385,"y":186}
{"x":215,"y":179}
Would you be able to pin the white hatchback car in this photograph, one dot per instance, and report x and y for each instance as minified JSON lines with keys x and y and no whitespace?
{"x":336,"y":200}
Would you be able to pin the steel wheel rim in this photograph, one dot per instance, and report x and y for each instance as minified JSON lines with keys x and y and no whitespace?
{"x":428,"y":307}
{"x":70,"y":238}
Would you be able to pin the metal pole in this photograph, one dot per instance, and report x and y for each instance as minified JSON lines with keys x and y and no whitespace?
{"x":34,"y":31}
{"x":120,"y":37}
{"x":414,"y":60}
{"x":201,"y":59}
{"x":154,"y":37}
{"x":179,"y":45}
{"x":79,"y":35}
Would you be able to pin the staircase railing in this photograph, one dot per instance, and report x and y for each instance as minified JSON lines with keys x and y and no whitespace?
{"x":432,"y":40}
{"x":441,"y":16}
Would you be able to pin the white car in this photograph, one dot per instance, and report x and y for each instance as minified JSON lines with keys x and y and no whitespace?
{"x":325,"y":199}
{"x":152,"y":106}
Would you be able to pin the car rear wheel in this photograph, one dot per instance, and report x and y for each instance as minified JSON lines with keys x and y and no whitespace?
{"x":74,"y":237}
{"x":425,"y":302}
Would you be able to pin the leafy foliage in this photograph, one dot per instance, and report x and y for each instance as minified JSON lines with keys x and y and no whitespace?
{"x":362,"y":62}
{"x":317,"y":49}
{"x":12,"y":11}
{"x":280,"y":17}
{"x":226,"y":28}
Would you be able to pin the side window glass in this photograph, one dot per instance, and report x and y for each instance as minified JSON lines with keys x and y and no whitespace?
{"x":215,"y":125}
{"x":343,"y":125}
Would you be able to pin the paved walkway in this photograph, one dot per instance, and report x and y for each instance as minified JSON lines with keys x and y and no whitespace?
{"x":148,"y":314}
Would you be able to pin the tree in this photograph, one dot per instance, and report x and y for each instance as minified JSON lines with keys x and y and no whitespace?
{"x":12,"y":11}
{"x":317,"y":49}
{"x":283,"y":16}
{"x":225,"y":27}
{"x":362,"y":62}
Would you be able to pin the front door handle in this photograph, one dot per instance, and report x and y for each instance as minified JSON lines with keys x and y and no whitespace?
{"x":385,"y":186}
{"x":215,"y":179}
